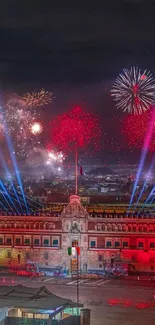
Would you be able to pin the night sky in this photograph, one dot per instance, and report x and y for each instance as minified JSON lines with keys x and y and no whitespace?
{"x":76,"y":52}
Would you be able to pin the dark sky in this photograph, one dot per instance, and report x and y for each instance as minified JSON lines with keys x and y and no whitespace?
{"x":77,"y":52}
{"x":60,"y":43}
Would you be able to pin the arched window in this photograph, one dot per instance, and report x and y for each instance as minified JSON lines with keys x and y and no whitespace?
{"x":17,"y":225}
{"x":98,"y":227}
{"x":37,"y":225}
{"x":124,"y":228}
{"x":150,"y":228}
{"x":145,"y":228}
{"x":130,"y":228}
{"x":22,"y":225}
{"x":47,"y":226}
{"x":108,"y":227}
{"x":140,"y":228}
{"x":41,"y":225}
{"x":119,"y":227}
{"x":134,"y":228}
{"x":27,"y":226}
{"x":103,"y":227}
{"x":114,"y":228}
{"x":8,"y":225}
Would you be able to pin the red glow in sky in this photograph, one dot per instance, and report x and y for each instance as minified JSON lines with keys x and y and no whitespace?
{"x":135,"y":129}
{"x":76,"y":128}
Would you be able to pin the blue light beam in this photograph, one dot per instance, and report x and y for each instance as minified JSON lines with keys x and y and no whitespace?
{"x":10,"y":180}
{"x":143,"y":156}
{"x":11,"y":150}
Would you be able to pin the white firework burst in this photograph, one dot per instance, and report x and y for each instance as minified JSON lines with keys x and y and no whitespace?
{"x":134,"y":90}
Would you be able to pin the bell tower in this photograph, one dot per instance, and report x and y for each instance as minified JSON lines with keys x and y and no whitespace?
{"x":75,"y":232}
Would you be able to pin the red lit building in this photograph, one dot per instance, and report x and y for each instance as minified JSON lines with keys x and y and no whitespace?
{"x":104,"y":238}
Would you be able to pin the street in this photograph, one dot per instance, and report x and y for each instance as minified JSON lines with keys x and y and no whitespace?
{"x":112,"y":302}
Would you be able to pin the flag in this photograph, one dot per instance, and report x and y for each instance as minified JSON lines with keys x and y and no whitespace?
{"x":81,"y":169}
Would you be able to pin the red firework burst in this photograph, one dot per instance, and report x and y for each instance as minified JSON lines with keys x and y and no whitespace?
{"x":76,"y":129}
{"x":135,"y":129}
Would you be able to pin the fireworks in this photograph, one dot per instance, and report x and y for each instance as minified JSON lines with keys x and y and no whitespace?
{"x":135,"y":130}
{"x":36,"y":128}
{"x":55,"y":157}
{"x":76,"y":129}
{"x":134,"y":91}
{"x":18,"y":118}
{"x":38,"y":99}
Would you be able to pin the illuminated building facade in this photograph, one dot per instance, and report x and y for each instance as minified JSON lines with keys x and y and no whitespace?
{"x":102,"y":237}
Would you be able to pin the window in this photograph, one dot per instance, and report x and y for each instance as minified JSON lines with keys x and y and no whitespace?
{"x":117,"y":244}
{"x":152,"y":245}
{"x":55,"y":242}
{"x":27,"y":241}
{"x":8,"y":241}
{"x":27,"y":255}
{"x":46,"y":255}
{"x":108,"y":227}
{"x":124,"y":228}
{"x":8,"y":254}
{"x":36,"y":242}
{"x":140,"y":244}
{"x":108,"y":244}
{"x":119,"y":228}
{"x":92,"y":243}
{"x":17,"y":241}
{"x":46,"y":242}
{"x":1,"y":241}
{"x":100,"y":258}
{"x":125,"y":244}
{"x":75,"y":243}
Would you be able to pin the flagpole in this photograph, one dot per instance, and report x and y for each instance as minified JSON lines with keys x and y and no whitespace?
{"x":76,"y":171}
